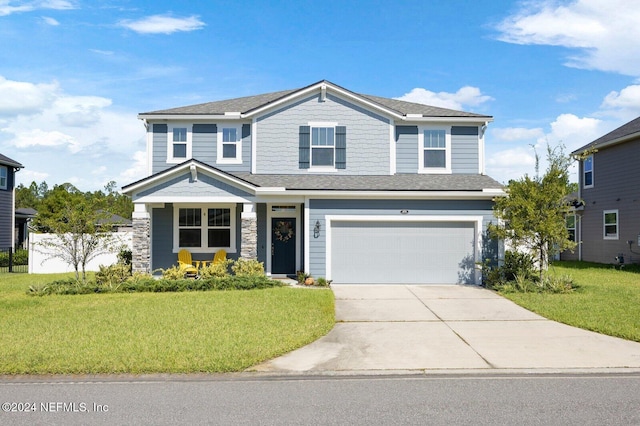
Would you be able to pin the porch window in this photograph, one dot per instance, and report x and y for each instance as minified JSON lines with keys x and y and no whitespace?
{"x":206,"y":229}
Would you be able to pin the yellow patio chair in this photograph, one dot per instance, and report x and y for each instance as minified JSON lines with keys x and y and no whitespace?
{"x":220,"y":256}
{"x":185,"y":262}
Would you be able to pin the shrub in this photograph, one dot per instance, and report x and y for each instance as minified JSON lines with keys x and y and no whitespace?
{"x":173,"y":273}
{"x":302,"y":276}
{"x":125,"y":256}
{"x":113,"y":275}
{"x":20,"y":257}
{"x":247,"y":268}
{"x":218,"y":270}
{"x":517,"y":269}
{"x":323,"y":282}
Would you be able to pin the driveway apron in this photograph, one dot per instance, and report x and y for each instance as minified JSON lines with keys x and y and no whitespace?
{"x":448,"y":327}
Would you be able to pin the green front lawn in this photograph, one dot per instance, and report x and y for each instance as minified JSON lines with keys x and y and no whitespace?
{"x":212,"y":331}
{"x":607,"y":300}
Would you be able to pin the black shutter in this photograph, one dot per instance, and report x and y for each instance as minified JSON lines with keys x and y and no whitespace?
{"x":305,"y":146}
{"x":160,"y":128}
{"x":246,"y":130}
{"x":341,"y":147}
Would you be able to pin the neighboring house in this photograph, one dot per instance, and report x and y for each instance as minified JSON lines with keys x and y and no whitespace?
{"x":609,"y":186}
{"x":23,"y":217}
{"x":8,"y":169}
{"x":354,"y":188}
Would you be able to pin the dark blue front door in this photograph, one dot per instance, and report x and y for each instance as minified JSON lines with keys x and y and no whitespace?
{"x":283,"y":246}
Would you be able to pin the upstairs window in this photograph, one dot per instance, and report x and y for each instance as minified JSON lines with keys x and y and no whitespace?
{"x":229,"y":144}
{"x":322,"y":146}
{"x":4,"y":177}
{"x":434,"y":150}
{"x":179,"y":148}
{"x":587,"y":165}
{"x":610,"y":225}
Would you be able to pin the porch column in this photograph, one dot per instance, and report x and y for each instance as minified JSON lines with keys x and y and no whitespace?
{"x":249,"y":232}
{"x":141,"y":247}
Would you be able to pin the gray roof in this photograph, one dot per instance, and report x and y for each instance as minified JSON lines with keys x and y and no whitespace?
{"x":408,"y":182}
{"x":9,"y":162}
{"x":623,"y":131}
{"x":249,"y":103}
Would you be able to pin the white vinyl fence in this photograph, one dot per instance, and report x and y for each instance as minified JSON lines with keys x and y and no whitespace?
{"x":40,"y":261}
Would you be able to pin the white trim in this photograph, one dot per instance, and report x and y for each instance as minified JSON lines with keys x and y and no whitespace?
{"x":254,"y":146}
{"x":220,"y":144}
{"x":427,"y":195}
{"x":307,"y":233}
{"x":189,"y":142}
{"x":604,"y":225}
{"x":481,"y":153}
{"x":447,"y":149}
{"x":149,"y":148}
{"x":285,"y":214}
{"x":392,"y":148}
{"x":203,"y":236}
{"x":191,"y":199}
{"x":476,"y":220}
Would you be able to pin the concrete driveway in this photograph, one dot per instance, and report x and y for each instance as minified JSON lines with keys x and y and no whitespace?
{"x":448,"y":328}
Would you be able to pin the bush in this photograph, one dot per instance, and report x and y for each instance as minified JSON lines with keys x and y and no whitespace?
{"x":218,"y":270}
{"x":247,"y":268}
{"x":113,"y":275}
{"x":20,"y":257}
{"x":323,"y":282}
{"x":518,"y":268}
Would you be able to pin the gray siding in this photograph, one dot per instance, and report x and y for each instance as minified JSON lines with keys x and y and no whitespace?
{"x":204,"y":140}
{"x":406,"y":149}
{"x":6,"y":211}
{"x":159,"y":146}
{"x":615,"y":186}
{"x":320,"y":208}
{"x":367,"y":149}
{"x":183,"y":185}
{"x":465,"y":157}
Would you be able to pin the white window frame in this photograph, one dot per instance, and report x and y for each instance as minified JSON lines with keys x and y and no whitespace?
{"x":321,"y":124}
{"x":204,"y":227}
{"x":170,"y":157}
{"x":604,"y":225}
{"x":447,"y":149}
{"x":220,"y":144}
{"x":4,"y":177}
{"x":584,"y":172}
{"x":575,"y":218}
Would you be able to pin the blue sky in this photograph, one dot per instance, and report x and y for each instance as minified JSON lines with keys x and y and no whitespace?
{"x":75,"y":73}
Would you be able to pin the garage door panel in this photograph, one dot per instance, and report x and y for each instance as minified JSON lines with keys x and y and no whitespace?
{"x":402,"y":252}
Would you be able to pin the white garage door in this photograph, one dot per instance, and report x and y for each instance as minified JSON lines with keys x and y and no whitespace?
{"x":402,"y":252}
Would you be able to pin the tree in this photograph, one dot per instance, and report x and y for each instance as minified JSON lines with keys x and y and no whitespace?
{"x":73,"y":218}
{"x":532,"y":215}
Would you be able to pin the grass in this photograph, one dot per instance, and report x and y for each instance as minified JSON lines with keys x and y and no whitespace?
{"x":213,"y":331}
{"x":606,"y":300}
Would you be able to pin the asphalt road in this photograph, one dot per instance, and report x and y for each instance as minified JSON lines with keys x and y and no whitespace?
{"x":318,"y":400}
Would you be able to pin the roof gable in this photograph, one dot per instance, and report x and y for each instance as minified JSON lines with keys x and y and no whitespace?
{"x":624,"y":133}
{"x":249,"y":106}
{"x":4,"y":160}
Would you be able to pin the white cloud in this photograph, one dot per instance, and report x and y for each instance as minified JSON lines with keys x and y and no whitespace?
{"x":605,"y":33}
{"x":467,"y":96}
{"x":517,"y":133}
{"x":163,"y":24}
{"x":7,"y":7}
{"x":17,"y":97}
{"x":50,"y":21}
{"x":64,"y":137}
{"x":138,"y":169}
{"x":624,"y":104}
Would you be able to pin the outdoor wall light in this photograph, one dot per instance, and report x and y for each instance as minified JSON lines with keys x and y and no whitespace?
{"x":316,"y":229}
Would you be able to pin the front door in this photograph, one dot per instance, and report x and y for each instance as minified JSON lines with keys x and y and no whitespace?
{"x":283,"y":245}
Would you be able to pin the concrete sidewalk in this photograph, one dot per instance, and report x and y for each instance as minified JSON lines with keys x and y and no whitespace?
{"x":407,"y":328}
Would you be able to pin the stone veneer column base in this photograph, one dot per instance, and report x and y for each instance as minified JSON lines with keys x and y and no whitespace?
{"x":249,"y":236}
{"x":141,"y":253}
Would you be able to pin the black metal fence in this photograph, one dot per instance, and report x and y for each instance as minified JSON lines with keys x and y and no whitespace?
{"x":14,"y":260}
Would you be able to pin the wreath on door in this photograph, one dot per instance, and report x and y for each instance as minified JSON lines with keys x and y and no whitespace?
{"x":283,"y":231}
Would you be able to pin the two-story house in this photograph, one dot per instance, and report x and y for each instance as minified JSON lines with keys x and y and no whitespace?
{"x":610,"y":190}
{"x":346,"y":186}
{"x":8,"y":168}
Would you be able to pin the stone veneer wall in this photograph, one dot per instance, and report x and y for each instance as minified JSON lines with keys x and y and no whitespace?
{"x":141,"y":252}
{"x":249,"y":234}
